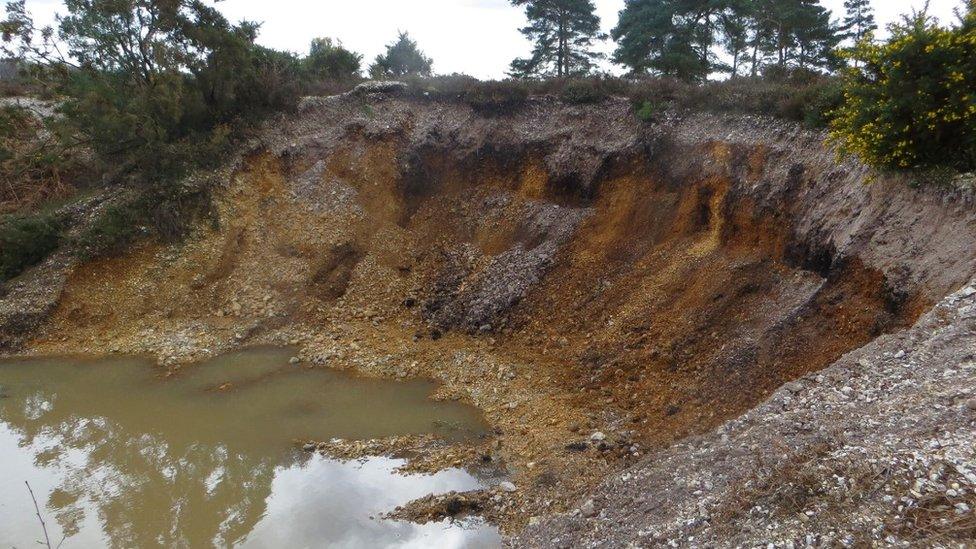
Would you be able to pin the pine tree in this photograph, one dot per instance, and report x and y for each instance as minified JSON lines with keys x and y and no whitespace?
{"x":563,"y":33}
{"x":678,"y":37}
{"x":402,"y":58}
{"x":668,"y":37}
{"x":859,"y":20}
{"x":734,"y":26}
{"x":816,"y":38}
{"x":798,"y":32}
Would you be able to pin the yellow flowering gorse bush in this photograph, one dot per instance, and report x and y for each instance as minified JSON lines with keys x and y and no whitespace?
{"x":910,"y":102}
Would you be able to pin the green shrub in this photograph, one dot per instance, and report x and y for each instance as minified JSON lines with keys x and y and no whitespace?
{"x":823,"y":101}
{"x":648,"y":111}
{"x":167,"y":213}
{"x":26,"y":241}
{"x":911,"y":101}
{"x":152,"y":108}
{"x":117,"y":227}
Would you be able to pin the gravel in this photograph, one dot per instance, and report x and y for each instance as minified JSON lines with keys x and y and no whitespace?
{"x":877,"y":450}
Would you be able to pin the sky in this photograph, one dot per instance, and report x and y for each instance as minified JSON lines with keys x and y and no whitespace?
{"x":476,"y":37}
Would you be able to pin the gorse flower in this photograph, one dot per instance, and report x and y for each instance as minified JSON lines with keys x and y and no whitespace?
{"x":910,"y":102}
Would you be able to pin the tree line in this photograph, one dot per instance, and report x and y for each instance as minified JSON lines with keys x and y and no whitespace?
{"x":690,"y":39}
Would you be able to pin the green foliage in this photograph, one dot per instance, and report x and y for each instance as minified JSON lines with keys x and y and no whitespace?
{"x":676,"y":38}
{"x":166,"y":212}
{"x":402,"y":58}
{"x":114,"y":230}
{"x":562,"y":33}
{"x":26,"y":241}
{"x":329,"y":60}
{"x":152,"y":90}
{"x":151,"y":86}
{"x":858,"y":20}
{"x":910,"y":101}
{"x":822,"y":103}
{"x":585,"y":91}
{"x":648,"y":110}
{"x":662,"y":37}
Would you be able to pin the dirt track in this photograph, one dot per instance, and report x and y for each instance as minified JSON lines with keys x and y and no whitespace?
{"x":600,"y":288}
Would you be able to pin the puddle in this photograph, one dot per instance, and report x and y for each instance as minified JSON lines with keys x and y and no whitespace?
{"x":119,"y":457}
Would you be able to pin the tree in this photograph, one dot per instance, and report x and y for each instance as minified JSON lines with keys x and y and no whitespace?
{"x":402,"y":58}
{"x":151,"y":85}
{"x":669,"y":37}
{"x":563,"y":33}
{"x":858,"y":20}
{"x":734,"y":27}
{"x":794,"y":33}
{"x":329,"y":60}
{"x":678,"y":37}
{"x":815,"y":37}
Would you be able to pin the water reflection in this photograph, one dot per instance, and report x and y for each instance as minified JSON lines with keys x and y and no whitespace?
{"x":118,"y":457}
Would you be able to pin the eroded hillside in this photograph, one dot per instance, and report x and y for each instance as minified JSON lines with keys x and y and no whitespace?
{"x":600,"y":287}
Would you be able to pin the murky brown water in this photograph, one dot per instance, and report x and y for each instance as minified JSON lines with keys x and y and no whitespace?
{"x":119,"y":457}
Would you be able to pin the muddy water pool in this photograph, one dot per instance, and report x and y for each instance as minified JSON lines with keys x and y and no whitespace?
{"x":118,"y":455}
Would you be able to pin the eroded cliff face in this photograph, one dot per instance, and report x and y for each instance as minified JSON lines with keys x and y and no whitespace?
{"x":566,"y":268}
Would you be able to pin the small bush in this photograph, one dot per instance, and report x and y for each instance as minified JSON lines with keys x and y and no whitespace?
{"x":648,"y":111}
{"x":167,"y":213}
{"x":117,"y":227}
{"x":659,"y":91}
{"x":26,"y":241}
{"x":823,"y":102}
{"x":33,"y":167}
{"x":329,"y":60}
{"x":910,"y":101}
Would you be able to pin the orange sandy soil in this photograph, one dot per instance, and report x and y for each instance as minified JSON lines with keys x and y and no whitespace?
{"x":669,"y":312}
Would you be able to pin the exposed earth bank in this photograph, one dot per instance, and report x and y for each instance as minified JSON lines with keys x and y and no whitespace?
{"x":601,"y":288}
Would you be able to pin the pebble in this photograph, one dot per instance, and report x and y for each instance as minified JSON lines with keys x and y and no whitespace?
{"x":598,"y":436}
{"x":294,"y":360}
{"x":588,"y":509}
{"x":507,"y":486}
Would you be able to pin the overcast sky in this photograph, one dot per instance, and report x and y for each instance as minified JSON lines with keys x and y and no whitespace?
{"x":476,"y":37}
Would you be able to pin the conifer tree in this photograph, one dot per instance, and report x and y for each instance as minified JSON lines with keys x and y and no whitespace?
{"x":668,"y":37}
{"x":563,"y":33}
{"x":859,"y":20}
{"x":734,"y":27}
{"x":402,"y":58}
{"x":328,"y":59}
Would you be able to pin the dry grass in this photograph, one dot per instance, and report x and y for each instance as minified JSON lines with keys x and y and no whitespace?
{"x":33,"y":168}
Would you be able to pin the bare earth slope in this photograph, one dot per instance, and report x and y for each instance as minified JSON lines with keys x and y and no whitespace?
{"x":602,"y":288}
{"x":875,"y":450}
